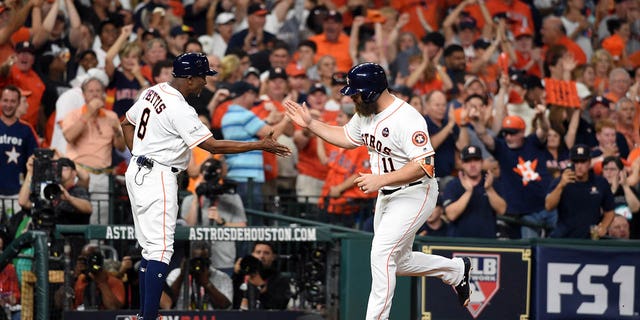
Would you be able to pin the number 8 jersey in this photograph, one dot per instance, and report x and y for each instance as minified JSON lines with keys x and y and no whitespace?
{"x":394,"y":136}
{"x":166,"y":126}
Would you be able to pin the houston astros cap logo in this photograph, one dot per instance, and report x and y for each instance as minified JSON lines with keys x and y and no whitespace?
{"x":419,"y":138}
{"x":385,"y":132}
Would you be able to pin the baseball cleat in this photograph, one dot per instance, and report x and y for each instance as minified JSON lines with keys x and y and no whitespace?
{"x":463,"y":288}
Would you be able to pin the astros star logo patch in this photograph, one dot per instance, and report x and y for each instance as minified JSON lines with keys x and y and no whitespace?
{"x":419,"y":138}
{"x":527,"y":169}
{"x":12,"y":156}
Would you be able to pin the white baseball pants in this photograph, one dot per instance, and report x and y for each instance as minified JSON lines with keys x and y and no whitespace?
{"x":397,"y":218}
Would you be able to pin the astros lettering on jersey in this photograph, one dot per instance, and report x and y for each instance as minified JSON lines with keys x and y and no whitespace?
{"x":391,"y":145}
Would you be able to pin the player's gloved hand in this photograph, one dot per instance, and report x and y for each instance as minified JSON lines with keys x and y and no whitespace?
{"x":272,"y":146}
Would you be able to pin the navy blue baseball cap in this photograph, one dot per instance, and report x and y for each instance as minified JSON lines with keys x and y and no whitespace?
{"x":471,"y":152}
{"x":580,"y":153}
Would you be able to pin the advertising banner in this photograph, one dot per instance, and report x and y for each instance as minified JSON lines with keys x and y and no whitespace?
{"x":270,"y":234}
{"x":190,"y":315}
{"x":593,"y":283}
{"x":500,"y":281}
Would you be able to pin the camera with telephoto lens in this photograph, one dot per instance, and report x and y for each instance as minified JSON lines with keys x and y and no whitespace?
{"x":250,"y":265}
{"x":213,"y":183}
{"x":94,"y":262}
{"x":198,"y":265}
{"x":45,"y":188}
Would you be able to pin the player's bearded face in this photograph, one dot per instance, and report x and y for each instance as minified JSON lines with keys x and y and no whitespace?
{"x":362,"y":108}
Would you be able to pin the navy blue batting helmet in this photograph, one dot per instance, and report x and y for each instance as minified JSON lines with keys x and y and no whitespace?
{"x":368,"y":79}
{"x":192,"y":64}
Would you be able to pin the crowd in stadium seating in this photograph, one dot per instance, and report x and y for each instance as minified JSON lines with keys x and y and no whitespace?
{"x":532,"y":107}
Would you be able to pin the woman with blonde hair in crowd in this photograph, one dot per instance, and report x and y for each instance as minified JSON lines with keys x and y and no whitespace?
{"x":323,"y":70}
{"x":602,"y":63}
{"x":230,"y":70}
{"x":585,"y":74}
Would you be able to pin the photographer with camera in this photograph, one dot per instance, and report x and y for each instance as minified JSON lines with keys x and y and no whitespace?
{"x":95,"y":288}
{"x":219,"y":205}
{"x":69,"y":201}
{"x":51,"y":194}
{"x":257,"y":283}
{"x":584,"y":200}
{"x":209,"y":288}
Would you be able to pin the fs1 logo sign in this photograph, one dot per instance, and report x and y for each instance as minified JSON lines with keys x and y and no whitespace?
{"x":484,"y":282}
{"x":576,"y":283}
{"x":589,"y":282}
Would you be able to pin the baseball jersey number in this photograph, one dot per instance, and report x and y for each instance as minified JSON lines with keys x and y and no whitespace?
{"x":144,"y":119}
{"x":387,"y":165}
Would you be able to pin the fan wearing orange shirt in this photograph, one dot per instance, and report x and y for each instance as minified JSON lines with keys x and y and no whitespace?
{"x":426,"y":73}
{"x":553,"y":34}
{"x":19,"y":72}
{"x":424,"y":16}
{"x":312,"y":154}
{"x":13,"y":15}
{"x":482,"y":66}
{"x":333,"y":41}
{"x":340,"y":197}
{"x":617,"y":42}
{"x":516,"y":11}
{"x":528,"y":57}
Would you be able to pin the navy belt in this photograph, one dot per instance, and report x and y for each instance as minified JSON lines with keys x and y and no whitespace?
{"x":387,"y":192}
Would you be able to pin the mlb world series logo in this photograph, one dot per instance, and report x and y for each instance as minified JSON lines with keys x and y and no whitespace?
{"x":485,"y":280}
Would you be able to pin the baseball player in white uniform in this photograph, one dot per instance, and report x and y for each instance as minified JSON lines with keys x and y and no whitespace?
{"x":160,"y":129}
{"x":401,"y":158}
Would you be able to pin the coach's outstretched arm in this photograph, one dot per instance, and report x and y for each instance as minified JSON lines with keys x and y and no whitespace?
{"x":220,"y":146}
{"x":267,"y":144}
{"x":332,"y":134}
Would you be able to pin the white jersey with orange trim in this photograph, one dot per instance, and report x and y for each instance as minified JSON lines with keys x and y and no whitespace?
{"x":391,"y":143}
{"x":166,"y":126}
{"x":394,"y":137}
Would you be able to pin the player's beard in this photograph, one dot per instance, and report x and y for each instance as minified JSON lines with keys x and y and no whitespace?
{"x":366,"y":109}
